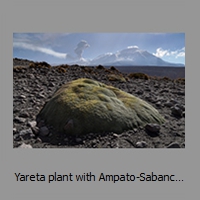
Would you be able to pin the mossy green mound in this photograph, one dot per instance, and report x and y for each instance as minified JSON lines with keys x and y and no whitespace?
{"x":84,"y":105}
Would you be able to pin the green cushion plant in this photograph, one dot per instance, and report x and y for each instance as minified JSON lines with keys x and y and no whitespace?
{"x":84,"y":105}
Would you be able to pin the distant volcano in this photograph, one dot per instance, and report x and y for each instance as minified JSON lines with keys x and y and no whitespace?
{"x":132,"y":56}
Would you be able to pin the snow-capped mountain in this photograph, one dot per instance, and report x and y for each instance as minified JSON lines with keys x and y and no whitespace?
{"x":130,"y":57}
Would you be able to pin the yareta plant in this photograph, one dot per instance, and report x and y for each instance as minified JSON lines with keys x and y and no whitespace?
{"x":87,"y":106}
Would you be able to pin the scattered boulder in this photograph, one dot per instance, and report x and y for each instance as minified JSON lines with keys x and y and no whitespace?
{"x":152,"y":129}
{"x":141,"y":144}
{"x":177,"y":110}
{"x":84,"y":105}
{"x":44,"y":131}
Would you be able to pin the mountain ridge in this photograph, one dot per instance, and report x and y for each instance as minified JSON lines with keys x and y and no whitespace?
{"x":131,"y":57}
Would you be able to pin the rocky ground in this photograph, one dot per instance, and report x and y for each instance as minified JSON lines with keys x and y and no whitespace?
{"x":35,"y":83}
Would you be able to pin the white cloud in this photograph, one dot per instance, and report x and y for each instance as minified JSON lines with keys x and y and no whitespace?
{"x":181,"y":54}
{"x":131,"y":47}
{"x":40,"y":49}
{"x":39,"y":39}
{"x":183,"y":49}
{"x":173,"y":52}
{"x":24,"y":43}
{"x":160,"y":53}
{"x":177,"y":53}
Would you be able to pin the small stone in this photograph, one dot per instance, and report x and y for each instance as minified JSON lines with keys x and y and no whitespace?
{"x":39,"y":140}
{"x":174,"y":145}
{"x":40,"y":95}
{"x":181,"y":93}
{"x":44,"y":131}
{"x":14,"y":130}
{"x":135,"y":130}
{"x":94,"y":142}
{"x":178,"y":134}
{"x":25,"y":146}
{"x":19,"y":120}
{"x":23,"y":102}
{"x":156,"y":86}
{"x":30,"y":76}
{"x":140,"y":92}
{"x":141,"y":144}
{"x":116,"y":135}
{"x":177,"y":111}
{"x":16,"y":110}
{"x":16,"y":137}
{"x":173,"y":101}
{"x":35,"y":130}
{"x":22,"y":96}
{"x":169,"y":104}
{"x":153,"y":128}
{"x":32,"y":124}
{"x":183,"y":145}
{"x":26,"y":134}
{"x":24,"y":114}
{"x":32,"y":101}
{"x":51,"y":84}
{"x":37,"y":108}
{"x":158,"y":104}
{"x":26,"y":89}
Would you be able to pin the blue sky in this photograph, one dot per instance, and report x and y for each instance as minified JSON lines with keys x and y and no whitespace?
{"x":57,"y":48}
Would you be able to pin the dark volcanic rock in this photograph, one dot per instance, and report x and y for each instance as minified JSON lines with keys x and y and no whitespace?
{"x":44,"y":131}
{"x":152,"y":129}
{"x":177,"y":110}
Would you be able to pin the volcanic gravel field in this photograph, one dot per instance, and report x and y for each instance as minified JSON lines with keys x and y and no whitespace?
{"x":35,"y":83}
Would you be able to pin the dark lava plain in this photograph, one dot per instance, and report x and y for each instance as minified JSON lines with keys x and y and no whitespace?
{"x":35,"y":83}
